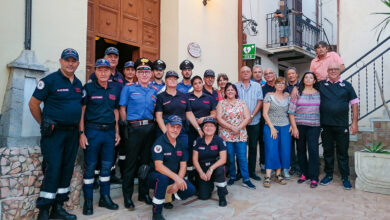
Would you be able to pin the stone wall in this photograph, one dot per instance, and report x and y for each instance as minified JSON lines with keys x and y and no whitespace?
{"x":20,"y":181}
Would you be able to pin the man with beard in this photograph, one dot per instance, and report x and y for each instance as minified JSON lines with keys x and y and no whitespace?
{"x":158,"y":67}
{"x":186,"y":68}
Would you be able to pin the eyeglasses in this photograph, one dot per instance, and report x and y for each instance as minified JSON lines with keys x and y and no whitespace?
{"x":144,"y":72}
{"x":333,"y":69}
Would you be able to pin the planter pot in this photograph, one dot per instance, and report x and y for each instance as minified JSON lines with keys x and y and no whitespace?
{"x":372,"y":172}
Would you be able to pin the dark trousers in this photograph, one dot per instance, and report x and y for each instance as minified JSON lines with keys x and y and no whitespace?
{"x":101,"y":148}
{"x":138,"y":146}
{"x":191,"y":172}
{"x":159,"y":183}
{"x":294,"y":157}
{"x":308,"y":143}
{"x":253,"y":138}
{"x":336,"y":137}
{"x":218,"y":177}
{"x":261,"y":142}
{"x":59,"y":153}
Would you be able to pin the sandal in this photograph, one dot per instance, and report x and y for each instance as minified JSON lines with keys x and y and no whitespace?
{"x":267,"y":182}
{"x":280,"y":180}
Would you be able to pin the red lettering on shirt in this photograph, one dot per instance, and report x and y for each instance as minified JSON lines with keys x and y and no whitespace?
{"x":179,"y":153}
{"x":120,"y":80}
{"x":182,"y":101}
{"x":111,"y":96}
{"x":166,"y":103}
{"x":77,"y":90}
{"x":206,"y":102}
{"x":214,"y":147}
{"x":62,"y":90}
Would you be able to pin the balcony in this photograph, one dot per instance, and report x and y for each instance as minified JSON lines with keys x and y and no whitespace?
{"x":304,"y":34}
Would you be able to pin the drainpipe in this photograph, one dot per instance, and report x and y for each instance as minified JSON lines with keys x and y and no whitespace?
{"x":27,"y":27}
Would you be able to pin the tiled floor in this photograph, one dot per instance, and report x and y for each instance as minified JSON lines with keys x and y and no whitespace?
{"x":292,"y":201}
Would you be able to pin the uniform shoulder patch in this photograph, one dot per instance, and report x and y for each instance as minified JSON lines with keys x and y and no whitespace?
{"x":162,"y":90}
{"x":41,"y":85}
{"x":84,"y":93}
{"x":155,"y":88}
{"x":191,"y":89}
{"x":89,"y":81}
{"x":194,"y":143}
{"x":157,"y":149}
{"x":129,"y":84}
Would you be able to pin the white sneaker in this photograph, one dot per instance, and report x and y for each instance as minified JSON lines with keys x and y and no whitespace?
{"x":286,"y":174}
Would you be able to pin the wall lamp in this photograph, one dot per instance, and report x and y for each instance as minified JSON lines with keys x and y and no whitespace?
{"x":205,"y":2}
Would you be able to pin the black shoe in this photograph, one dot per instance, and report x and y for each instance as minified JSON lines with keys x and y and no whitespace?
{"x":129,"y":203}
{"x":88,"y":207}
{"x":158,"y":216}
{"x":222,"y":202}
{"x":58,"y":212}
{"x":255,"y":177}
{"x":168,"y":205}
{"x":238,"y":177}
{"x":145,"y":198}
{"x":222,"y":192}
{"x":106,"y":201}
{"x":115,"y":180}
{"x":43,"y":214}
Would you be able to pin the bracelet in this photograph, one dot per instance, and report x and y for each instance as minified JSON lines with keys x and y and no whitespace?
{"x":198,"y":128}
{"x":211,"y":169}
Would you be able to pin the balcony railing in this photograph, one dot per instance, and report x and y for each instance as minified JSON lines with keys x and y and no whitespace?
{"x":304,"y":32}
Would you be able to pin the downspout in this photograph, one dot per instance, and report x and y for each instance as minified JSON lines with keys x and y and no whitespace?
{"x":27,"y":27}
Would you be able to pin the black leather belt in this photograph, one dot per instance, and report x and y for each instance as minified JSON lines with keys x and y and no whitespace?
{"x":140,"y":123}
{"x":102,"y":127}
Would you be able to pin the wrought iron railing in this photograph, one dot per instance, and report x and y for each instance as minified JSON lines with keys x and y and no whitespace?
{"x":304,"y":32}
{"x":368,"y":75}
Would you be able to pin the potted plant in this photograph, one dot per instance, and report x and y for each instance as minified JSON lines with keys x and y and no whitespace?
{"x":372,"y":166}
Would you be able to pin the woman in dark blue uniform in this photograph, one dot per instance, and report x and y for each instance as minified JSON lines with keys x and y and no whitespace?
{"x":209,"y":158}
{"x":202,"y":105}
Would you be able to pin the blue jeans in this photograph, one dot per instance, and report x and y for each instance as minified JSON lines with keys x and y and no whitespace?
{"x":277,"y":151}
{"x":239,"y":149}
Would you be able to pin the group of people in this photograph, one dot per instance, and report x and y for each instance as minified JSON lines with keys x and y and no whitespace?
{"x":179,"y":138}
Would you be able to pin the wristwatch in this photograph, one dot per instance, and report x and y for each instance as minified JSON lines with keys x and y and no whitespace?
{"x":252,"y":116}
{"x":198,"y":128}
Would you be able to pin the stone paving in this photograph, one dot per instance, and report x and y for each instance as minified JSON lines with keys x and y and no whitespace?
{"x":292,"y":201}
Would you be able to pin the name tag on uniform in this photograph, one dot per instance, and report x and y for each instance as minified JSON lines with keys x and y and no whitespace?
{"x":191,"y":99}
{"x":179,"y":153}
{"x":166,"y":103}
{"x":62,"y":90}
{"x":206,"y":102}
{"x":201,"y":148}
{"x":136,"y":94}
{"x":110,"y":80}
{"x":182,"y":101}
{"x":214,"y":147}
{"x":168,"y":154}
{"x":78,"y":90}
{"x":96,"y":97}
{"x":111,"y":96}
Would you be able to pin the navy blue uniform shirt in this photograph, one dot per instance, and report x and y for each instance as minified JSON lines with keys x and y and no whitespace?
{"x":202,"y":106}
{"x":100,"y":103}
{"x":214,"y":94}
{"x":62,"y":99}
{"x":117,"y":79}
{"x":183,"y":88}
{"x":209,"y":152}
{"x":171,"y":156}
{"x":335,"y":101}
{"x":173,"y":105}
{"x":139,"y":101}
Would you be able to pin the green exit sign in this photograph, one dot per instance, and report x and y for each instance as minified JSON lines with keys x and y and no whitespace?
{"x":248,"y":51}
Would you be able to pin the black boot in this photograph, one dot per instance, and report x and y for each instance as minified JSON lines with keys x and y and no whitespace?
{"x":43,"y":214}
{"x":168,"y":205}
{"x":88,"y":207}
{"x":222,"y":192}
{"x":106,"y":201}
{"x":145,"y":198}
{"x":128,"y":202}
{"x":158,"y":216}
{"x":58,"y":212}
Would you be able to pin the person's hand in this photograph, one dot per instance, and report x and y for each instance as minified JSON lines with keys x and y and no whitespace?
{"x":294,"y":93}
{"x":209,"y":173}
{"x":353,"y":128}
{"x":83,"y":141}
{"x":200,"y":132}
{"x":200,"y":120}
{"x":117,"y":138}
{"x":274,"y":133}
{"x":235,"y":130}
{"x":203,"y":176}
{"x":181,"y":184}
{"x":173,"y":189}
{"x":295,"y":133}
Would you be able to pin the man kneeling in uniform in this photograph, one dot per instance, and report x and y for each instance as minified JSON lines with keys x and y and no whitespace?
{"x":170,"y":165}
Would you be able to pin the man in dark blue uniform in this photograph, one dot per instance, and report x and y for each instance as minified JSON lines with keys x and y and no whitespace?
{"x":158,"y":73}
{"x":129,"y":72}
{"x":99,"y":134}
{"x":209,"y":78}
{"x":61,"y":93}
{"x":136,"y":110}
{"x":169,"y":157}
{"x":186,"y":68}
{"x":209,"y":159}
{"x":111,"y":54}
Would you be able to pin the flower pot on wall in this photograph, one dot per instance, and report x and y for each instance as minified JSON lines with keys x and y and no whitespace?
{"x":372,"y":170}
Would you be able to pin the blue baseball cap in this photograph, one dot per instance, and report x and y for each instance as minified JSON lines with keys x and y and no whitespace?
{"x":208,"y":73}
{"x":129,"y":64}
{"x":102,"y":63}
{"x":174,"y":120}
{"x":209,"y":120}
{"x":69,"y":52}
{"x":171,"y":73}
{"x":111,"y":50}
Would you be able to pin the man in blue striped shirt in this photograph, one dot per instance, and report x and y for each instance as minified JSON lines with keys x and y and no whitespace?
{"x":252,"y":94}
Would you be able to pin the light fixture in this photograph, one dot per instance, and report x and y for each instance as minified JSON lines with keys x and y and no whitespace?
{"x":205,"y":2}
